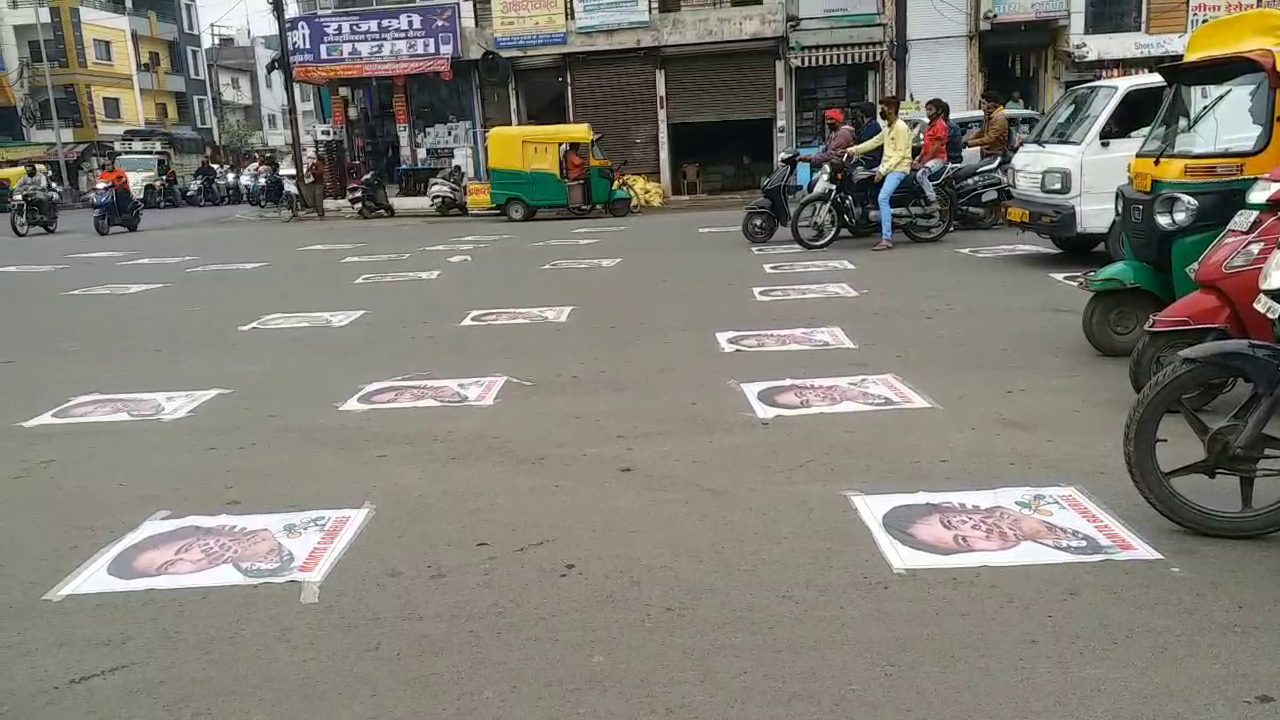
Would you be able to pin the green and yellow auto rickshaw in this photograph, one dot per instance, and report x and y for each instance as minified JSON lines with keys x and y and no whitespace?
{"x":529,"y":168}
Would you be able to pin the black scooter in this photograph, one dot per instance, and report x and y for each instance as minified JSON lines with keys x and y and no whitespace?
{"x":106,"y":213}
{"x":369,"y":196}
{"x":771,"y":209}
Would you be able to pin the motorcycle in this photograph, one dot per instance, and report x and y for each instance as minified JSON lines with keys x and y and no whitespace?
{"x":845,"y":196}
{"x":221,"y":188}
{"x":235,"y":194}
{"x":249,"y":187}
{"x":446,"y":192}
{"x":1221,"y":306}
{"x":370,"y":196}
{"x":106,"y":214}
{"x":24,"y":213}
{"x":980,"y":189}
{"x":771,"y":209}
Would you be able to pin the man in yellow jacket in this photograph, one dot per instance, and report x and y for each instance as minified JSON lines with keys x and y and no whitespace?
{"x":895,"y":138}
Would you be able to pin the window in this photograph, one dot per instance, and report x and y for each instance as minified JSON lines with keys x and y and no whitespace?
{"x":102,"y":51}
{"x":1134,"y":115}
{"x":162,"y":111}
{"x":267,"y":75}
{"x":153,"y":61}
{"x":1113,"y":16}
{"x":273,"y":121}
{"x":202,"y":112}
{"x":189,"y":24}
{"x":304,"y":93}
{"x":195,"y":63}
{"x":111,"y":108}
{"x":1212,"y":113}
{"x":33,"y":49}
{"x":1073,"y":116}
{"x":235,"y":83}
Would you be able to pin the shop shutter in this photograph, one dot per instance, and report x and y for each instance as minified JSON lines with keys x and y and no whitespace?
{"x":726,"y":86}
{"x":939,"y":69}
{"x":619,"y":97}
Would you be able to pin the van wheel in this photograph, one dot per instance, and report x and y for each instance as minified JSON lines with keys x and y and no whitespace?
{"x":1115,"y":243}
{"x":518,"y":211}
{"x":1077,"y":245}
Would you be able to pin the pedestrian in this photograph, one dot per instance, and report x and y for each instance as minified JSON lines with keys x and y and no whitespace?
{"x":839,"y":138}
{"x":313,"y":183}
{"x":933,"y":154}
{"x":1015,"y":101}
{"x":994,"y":138}
{"x":895,"y":138}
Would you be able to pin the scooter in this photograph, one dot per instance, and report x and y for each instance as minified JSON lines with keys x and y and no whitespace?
{"x":771,"y":209}
{"x":447,"y":192}
{"x":369,"y":196}
{"x":221,"y":188}
{"x":235,"y":195}
{"x":106,"y":214}
{"x":980,"y":190}
{"x":1227,"y":278}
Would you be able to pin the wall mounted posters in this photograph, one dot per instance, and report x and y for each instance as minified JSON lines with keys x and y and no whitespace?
{"x":374,"y":43}
{"x":529,"y":23}
{"x":599,"y":15}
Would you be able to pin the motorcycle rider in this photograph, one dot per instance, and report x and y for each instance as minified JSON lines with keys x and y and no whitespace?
{"x":206,"y":175}
{"x":864,"y":119}
{"x":955,"y":136}
{"x":120,"y":183}
{"x":994,"y":138}
{"x":839,"y":138}
{"x":933,"y":154}
{"x":38,"y":184}
{"x":893,"y":169}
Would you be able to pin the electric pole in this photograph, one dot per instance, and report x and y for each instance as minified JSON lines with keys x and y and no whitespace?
{"x":48,"y":88}
{"x":277,"y":9}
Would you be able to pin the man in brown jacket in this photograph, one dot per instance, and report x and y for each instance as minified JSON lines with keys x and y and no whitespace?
{"x":994,"y":138}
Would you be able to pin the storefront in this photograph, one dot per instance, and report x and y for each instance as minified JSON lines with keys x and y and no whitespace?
{"x":1096,"y":57}
{"x":830,"y":77}
{"x":406,"y":106}
{"x":1016,"y":55}
{"x":618,"y":95}
{"x":721,"y":112}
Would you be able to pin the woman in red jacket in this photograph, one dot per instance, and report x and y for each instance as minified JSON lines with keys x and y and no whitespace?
{"x":934,"y":153}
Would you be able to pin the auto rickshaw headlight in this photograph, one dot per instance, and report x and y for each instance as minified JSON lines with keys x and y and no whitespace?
{"x":1119,"y":204}
{"x":1056,"y":181}
{"x":1175,"y":211}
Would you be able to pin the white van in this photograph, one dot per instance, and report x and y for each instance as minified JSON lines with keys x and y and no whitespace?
{"x":1065,"y":174}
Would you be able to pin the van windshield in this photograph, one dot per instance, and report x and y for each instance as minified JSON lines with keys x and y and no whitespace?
{"x":1215,"y":117}
{"x":136,"y":164}
{"x":1071,"y":118}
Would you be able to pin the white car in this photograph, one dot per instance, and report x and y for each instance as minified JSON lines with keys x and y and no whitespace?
{"x":970,"y":121}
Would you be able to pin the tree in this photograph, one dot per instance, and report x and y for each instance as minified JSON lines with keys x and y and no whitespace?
{"x":237,"y":136}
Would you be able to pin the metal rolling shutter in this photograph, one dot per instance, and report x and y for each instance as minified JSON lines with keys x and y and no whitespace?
{"x":619,"y":97}
{"x":938,"y":68}
{"x":727,"y":86}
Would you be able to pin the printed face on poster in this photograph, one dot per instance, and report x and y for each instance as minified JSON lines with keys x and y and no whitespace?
{"x":456,"y":247}
{"x":857,"y":393}
{"x":1008,"y":526}
{"x":808,"y":266}
{"x":376,"y":258}
{"x":333,"y":319}
{"x":115,"y":289}
{"x":397,"y":277}
{"x":32,"y":268}
{"x":581,"y":264}
{"x":529,"y":23}
{"x":823,"y":338}
{"x":374,"y":43}
{"x":803,"y":292}
{"x":220,"y":550}
{"x":517,"y":316}
{"x":333,"y":246}
{"x":122,"y":407}
{"x":393,"y":394}
{"x":1006,"y":251}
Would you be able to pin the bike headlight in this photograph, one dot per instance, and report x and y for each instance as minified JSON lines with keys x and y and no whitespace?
{"x":1056,"y":181}
{"x":1175,"y":211}
{"x":1269,"y":280}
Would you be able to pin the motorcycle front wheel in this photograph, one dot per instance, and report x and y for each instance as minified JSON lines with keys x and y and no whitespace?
{"x":288,"y":209}
{"x":816,"y":222}
{"x":101,"y":224}
{"x":759,"y":227}
{"x":18,"y":223}
{"x":1165,"y":398}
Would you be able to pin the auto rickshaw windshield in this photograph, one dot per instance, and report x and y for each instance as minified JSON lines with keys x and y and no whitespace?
{"x":1215,"y":113}
{"x":1072,"y":117}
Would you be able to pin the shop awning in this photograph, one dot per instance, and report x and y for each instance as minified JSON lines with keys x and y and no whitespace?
{"x":37,"y":152}
{"x":836,"y":55}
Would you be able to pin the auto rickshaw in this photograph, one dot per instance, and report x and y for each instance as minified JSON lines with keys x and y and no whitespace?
{"x":1214,"y":135}
{"x":528,"y":172}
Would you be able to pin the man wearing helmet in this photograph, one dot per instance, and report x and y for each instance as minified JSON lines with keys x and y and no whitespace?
{"x":37,"y":183}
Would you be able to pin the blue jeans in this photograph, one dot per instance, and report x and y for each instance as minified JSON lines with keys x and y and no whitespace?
{"x":891,"y":182}
{"x":922,"y":177}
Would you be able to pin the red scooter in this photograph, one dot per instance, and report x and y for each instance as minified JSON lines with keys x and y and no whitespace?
{"x":1227,"y":276}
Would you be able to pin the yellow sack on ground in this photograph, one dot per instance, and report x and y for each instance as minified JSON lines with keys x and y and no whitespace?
{"x":647,"y":192}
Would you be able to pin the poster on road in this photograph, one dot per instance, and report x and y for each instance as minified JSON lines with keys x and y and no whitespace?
{"x":393,"y":394}
{"x":856,"y":393}
{"x":32,"y":268}
{"x":600,"y":229}
{"x":456,"y":246}
{"x":201,"y":551}
{"x":104,"y":253}
{"x":115,"y":289}
{"x":793,"y":339}
{"x":803,"y":292}
{"x":567,"y":241}
{"x":594,"y":263}
{"x":396,"y":277}
{"x":517,"y":316}
{"x":333,"y":246}
{"x":480,"y":238}
{"x":228,"y":266}
{"x":720,"y":229}
{"x":120,"y":407}
{"x":1007,"y":526}
{"x":1006,"y":251}
{"x":778,"y":249}
{"x":158,"y":261}
{"x":376,"y":258}
{"x":338,"y":318}
{"x":808,"y":266}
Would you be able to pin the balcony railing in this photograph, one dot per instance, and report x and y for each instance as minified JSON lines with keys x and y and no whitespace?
{"x":45,"y":123}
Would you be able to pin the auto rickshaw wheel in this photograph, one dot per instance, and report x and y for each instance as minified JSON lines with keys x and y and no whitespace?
{"x":518,"y":211}
{"x":620,"y":207}
{"x":1113,"y":321}
{"x":1115,"y":243}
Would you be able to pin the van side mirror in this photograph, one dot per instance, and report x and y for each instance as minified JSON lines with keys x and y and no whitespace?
{"x":1105,"y":143}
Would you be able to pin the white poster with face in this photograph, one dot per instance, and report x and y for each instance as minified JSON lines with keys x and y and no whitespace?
{"x":377,"y":258}
{"x":803,"y":292}
{"x":201,"y":551}
{"x":579,"y":264}
{"x":1072,"y":279}
{"x":104,"y":253}
{"x":778,"y":249}
{"x":397,"y":277}
{"x":517,"y":316}
{"x":457,"y":247}
{"x":720,"y":229}
{"x":1006,"y":250}
{"x":856,"y":393}
{"x":120,"y":407}
{"x":228,"y":266}
{"x":1008,"y":526}
{"x":334,"y":246}
{"x":823,"y":338}
{"x":567,"y":241}
{"x":479,"y":238}
{"x":276,"y":321}
{"x":455,"y":392}
{"x":115,"y":289}
{"x":158,"y":261}
{"x":32,"y":268}
{"x":601,"y":229}
{"x":808,"y":266}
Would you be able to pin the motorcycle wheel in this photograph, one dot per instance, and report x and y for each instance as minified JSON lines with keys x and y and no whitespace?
{"x":288,"y":210}
{"x":825,"y":210}
{"x":937,"y":230}
{"x":364,"y":213}
{"x":1156,"y":351}
{"x":1165,"y":394}
{"x":51,"y":225}
{"x":132,"y":225}
{"x":1113,"y":321}
{"x":989,"y":218}
{"x":200,"y":200}
{"x":101,"y":224}
{"x":759,"y":227}
{"x":441,"y":209}
{"x":391,"y":211}
{"x":18,"y":223}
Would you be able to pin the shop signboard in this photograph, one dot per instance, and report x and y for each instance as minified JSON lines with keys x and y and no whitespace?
{"x":374,"y":43}
{"x":599,"y":15}
{"x":1024,"y":10}
{"x":1200,"y":12}
{"x":811,"y":9}
{"x":529,"y":23}
{"x":1128,"y":46}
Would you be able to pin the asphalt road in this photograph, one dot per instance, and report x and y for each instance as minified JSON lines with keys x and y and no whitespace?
{"x":618,"y":536}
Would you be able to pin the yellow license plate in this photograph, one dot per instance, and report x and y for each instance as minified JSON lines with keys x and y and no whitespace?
{"x":1142,"y":182}
{"x":1021,"y":215}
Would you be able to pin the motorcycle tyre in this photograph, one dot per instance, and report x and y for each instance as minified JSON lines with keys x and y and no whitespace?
{"x":51,"y":225}
{"x":822,"y":243}
{"x":101,"y":224}
{"x":1144,"y":361}
{"x":13,"y":224}
{"x":288,"y":210}
{"x":391,"y":211}
{"x":1160,"y":397}
{"x":766,"y":231}
{"x":947,"y":221}
{"x":132,"y":225}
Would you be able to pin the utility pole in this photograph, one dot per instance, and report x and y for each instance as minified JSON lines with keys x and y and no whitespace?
{"x":277,"y":9}
{"x":48,"y":87}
